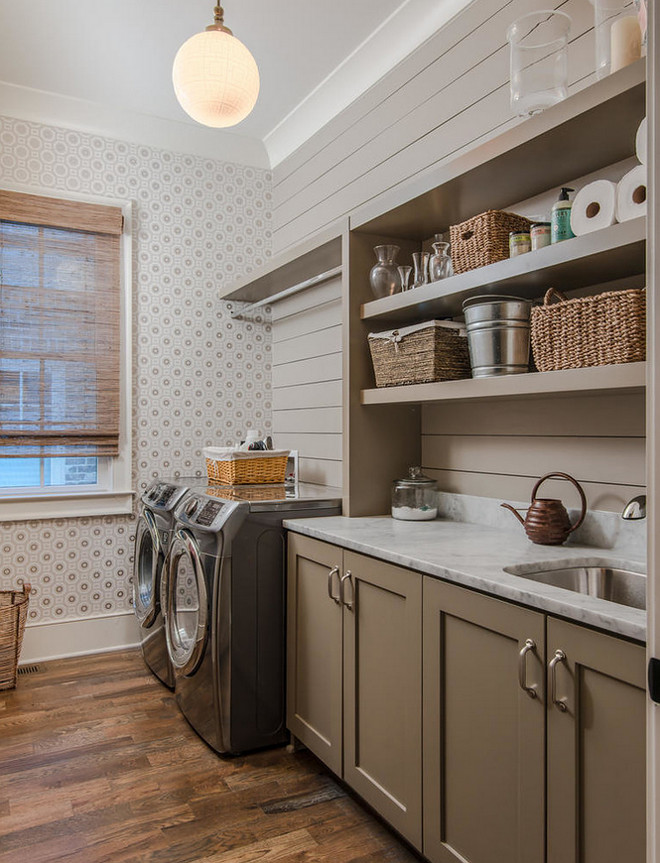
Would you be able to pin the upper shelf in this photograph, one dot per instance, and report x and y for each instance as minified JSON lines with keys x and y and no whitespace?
{"x":584,"y":133}
{"x":299,"y":264}
{"x":602,"y":256}
{"x":629,"y":377}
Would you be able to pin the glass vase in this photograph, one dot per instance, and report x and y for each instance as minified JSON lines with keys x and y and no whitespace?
{"x":384,"y":275}
{"x":439,"y":262}
{"x":421,"y":263}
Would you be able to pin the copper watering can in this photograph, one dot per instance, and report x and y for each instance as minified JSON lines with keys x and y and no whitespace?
{"x":547,"y":522}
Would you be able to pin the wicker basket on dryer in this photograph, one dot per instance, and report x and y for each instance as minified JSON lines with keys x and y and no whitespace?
{"x":602,"y":330}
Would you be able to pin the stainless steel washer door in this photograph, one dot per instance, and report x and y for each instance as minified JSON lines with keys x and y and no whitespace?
{"x":186,"y":616}
{"x":148,"y":561}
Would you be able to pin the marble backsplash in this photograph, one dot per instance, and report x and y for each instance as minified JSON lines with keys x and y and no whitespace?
{"x":605,"y":530}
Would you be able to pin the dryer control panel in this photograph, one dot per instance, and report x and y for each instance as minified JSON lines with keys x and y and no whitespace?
{"x":203,"y":512}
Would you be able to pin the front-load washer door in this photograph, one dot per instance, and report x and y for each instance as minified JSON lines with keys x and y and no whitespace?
{"x":148,"y":563}
{"x":187,"y":613}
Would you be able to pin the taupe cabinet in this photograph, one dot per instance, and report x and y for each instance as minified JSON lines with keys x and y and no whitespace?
{"x":354,"y":674}
{"x":532,"y":737}
{"x":484,"y":755}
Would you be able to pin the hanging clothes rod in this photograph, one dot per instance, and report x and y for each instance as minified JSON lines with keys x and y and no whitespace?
{"x":287,"y":292}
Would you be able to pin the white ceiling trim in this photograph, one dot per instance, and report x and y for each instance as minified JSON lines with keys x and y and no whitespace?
{"x":408,"y":27}
{"x":38,"y":106}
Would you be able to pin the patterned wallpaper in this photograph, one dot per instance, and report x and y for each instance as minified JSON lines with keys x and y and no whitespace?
{"x":199,"y":377}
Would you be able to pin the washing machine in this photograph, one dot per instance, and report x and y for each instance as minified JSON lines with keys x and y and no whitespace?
{"x":152,"y":540}
{"x":225,"y":592}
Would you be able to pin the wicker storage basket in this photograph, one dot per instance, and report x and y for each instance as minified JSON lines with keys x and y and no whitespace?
{"x":235,"y":467}
{"x":603,"y":330}
{"x":484,"y":239}
{"x":13,"y":614}
{"x":432,"y":351}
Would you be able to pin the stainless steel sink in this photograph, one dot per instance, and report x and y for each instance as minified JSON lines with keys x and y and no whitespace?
{"x":604,"y":581}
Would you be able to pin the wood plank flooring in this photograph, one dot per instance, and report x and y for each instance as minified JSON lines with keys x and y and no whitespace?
{"x":98,"y":766}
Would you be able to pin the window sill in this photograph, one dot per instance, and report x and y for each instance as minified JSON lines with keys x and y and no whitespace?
{"x":66,"y":505}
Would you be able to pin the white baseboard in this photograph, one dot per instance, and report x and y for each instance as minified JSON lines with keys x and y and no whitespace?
{"x":64,"y":638}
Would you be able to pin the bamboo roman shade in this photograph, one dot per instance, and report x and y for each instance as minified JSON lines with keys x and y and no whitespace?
{"x":59,"y":327}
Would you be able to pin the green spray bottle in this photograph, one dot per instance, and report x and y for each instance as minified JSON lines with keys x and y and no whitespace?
{"x":561,"y":217}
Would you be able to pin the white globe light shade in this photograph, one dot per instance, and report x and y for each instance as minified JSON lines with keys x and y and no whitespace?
{"x":216,"y":79}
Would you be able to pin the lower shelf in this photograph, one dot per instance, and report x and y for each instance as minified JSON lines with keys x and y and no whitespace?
{"x":630,"y":377}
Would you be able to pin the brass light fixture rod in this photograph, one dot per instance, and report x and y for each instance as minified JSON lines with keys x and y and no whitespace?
{"x":219,"y":21}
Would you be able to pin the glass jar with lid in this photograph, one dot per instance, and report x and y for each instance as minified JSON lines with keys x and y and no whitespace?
{"x":415,"y":498}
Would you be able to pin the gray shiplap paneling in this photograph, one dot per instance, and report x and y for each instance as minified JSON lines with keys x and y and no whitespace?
{"x":307,"y":380}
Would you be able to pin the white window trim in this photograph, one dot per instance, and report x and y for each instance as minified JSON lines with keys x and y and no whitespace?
{"x":118,"y":500}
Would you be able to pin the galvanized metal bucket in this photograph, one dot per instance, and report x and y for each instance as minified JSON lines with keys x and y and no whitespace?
{"x":498,"y":335}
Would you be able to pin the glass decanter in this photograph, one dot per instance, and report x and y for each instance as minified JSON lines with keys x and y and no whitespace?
{"x":439,"y":262}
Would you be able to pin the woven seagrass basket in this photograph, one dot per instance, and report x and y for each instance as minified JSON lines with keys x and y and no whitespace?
{"x":13,"y":614}
{"x":422,"y":353}
{"x":236,"y":467}
{"x":484,"y":239}
{"x":602,"y":330}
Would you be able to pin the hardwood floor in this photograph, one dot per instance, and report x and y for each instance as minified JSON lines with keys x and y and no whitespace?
{"x":98,"y":766}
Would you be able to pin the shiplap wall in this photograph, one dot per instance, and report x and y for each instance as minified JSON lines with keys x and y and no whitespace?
{"x":307,"y":380}
{"x":449,"y":95}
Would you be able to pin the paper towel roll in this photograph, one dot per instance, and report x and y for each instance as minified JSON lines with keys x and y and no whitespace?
{"x":631,"y":195}
{"x":641,"y":141}
{"x":594,"y":207}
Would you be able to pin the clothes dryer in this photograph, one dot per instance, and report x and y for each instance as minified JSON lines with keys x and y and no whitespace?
{"x":152,"y":540}
{"x":225,"y":609}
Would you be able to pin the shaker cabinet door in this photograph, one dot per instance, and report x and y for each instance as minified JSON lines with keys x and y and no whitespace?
{"x":314,"y":648}
{"x":382,"y":689}
{"x":596,"y":747}
{"x":483,"y":729}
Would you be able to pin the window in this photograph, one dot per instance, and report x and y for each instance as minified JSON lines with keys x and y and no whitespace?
{"x":64,"y":357}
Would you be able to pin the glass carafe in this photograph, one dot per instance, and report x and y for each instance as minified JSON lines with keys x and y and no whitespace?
{"x":439,"y":262}
{"x":384,"y":276}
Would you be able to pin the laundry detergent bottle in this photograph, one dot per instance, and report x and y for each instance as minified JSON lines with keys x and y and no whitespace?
{"x":560,"y":223}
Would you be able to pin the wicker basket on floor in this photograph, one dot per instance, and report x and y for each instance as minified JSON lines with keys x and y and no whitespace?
{"x":419,"y":354}
{"x":13,"y":614}
{"x":602,"y":330}
{"x":484,"y":239}
{"x":237,"y":467}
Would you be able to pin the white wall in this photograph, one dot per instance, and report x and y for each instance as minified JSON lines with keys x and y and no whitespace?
{"x":200,"y":378}
{"x":448,"y":95}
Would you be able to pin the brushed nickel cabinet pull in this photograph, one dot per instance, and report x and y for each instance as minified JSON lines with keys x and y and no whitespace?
{"x":335,"y":598}
{"x":529,"y":646}
{"x":560,"y":703}
{"x":347,"y":577}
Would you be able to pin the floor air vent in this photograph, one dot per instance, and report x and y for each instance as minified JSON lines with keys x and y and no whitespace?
{"x":29,"y":669}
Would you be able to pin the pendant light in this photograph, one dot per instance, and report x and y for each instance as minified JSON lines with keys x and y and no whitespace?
{"x":216,"y":79}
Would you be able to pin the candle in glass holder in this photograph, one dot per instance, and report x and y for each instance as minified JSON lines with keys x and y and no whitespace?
{"x":625,"y":41}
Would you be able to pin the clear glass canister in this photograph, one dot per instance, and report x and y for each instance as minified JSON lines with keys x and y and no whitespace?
{"x":415,"y":498}
{"x":539,"y":58}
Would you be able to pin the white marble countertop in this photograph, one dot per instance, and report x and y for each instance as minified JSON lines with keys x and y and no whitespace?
{"x":475,"y":555}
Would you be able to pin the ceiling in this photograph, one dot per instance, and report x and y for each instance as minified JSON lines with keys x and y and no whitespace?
{"x":106,"y":60}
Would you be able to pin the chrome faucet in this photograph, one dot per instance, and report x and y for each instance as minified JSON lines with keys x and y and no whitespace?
{"x":635,"y":508}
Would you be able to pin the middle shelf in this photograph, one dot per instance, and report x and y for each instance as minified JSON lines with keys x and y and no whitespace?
{"x":628,"y":377}
{"x":602,"y":256}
